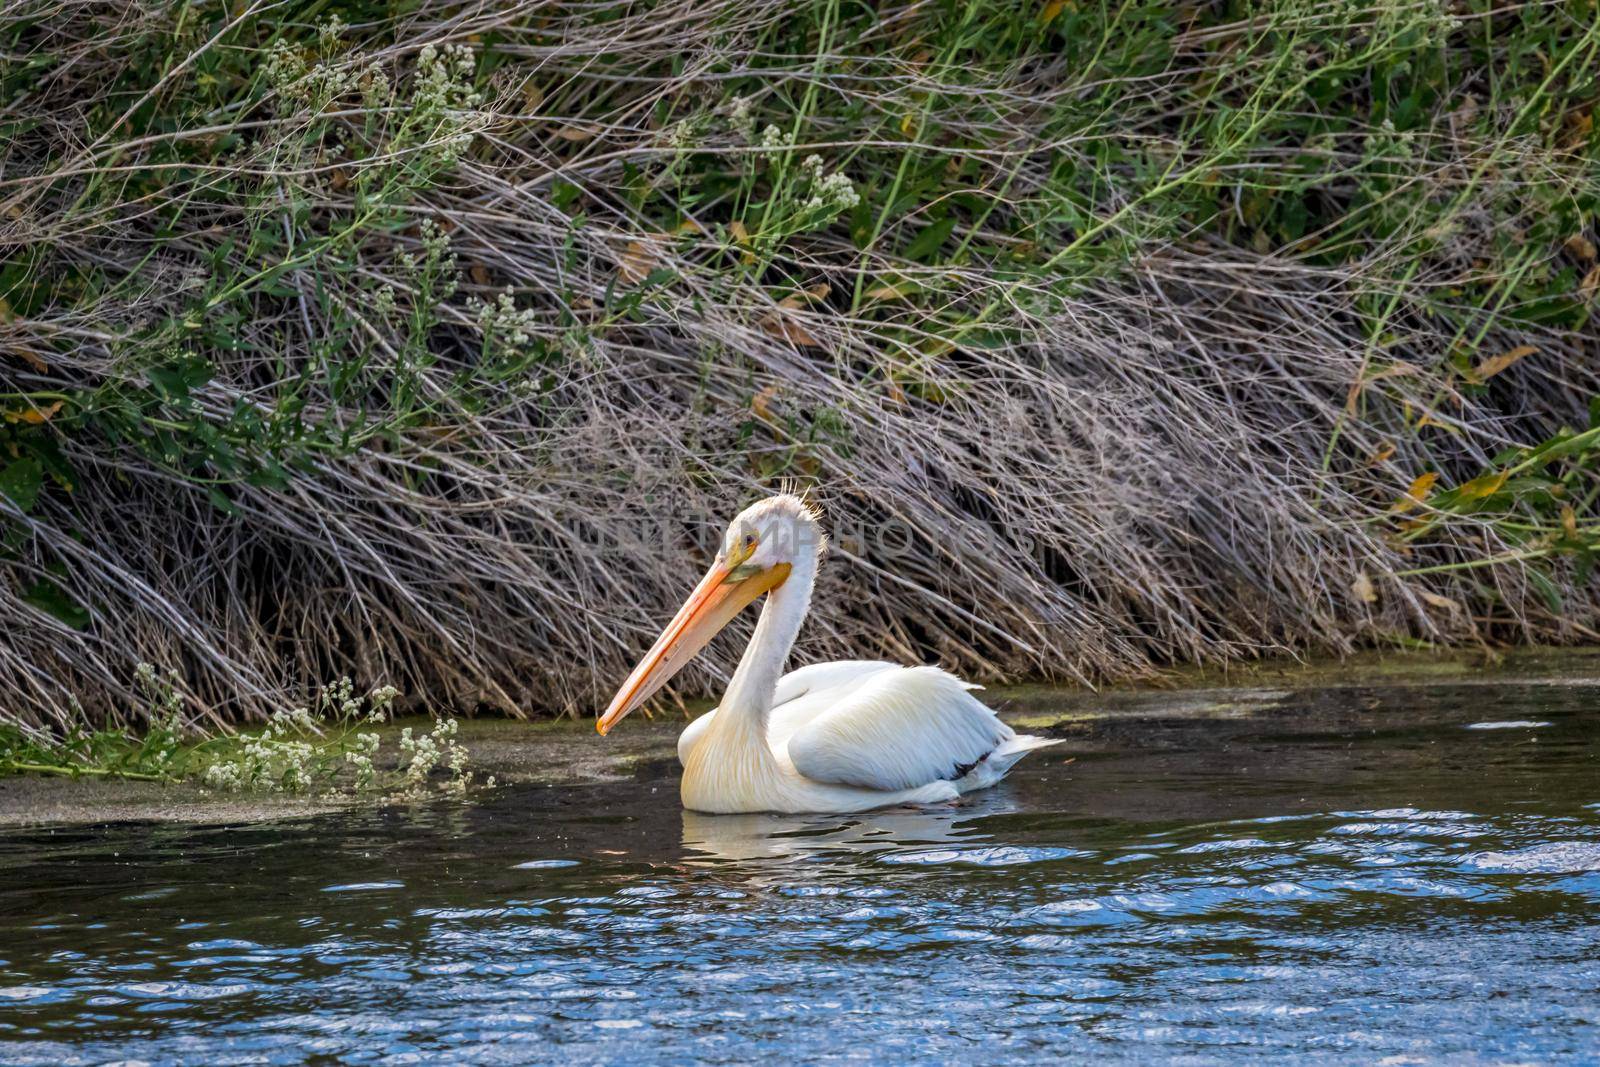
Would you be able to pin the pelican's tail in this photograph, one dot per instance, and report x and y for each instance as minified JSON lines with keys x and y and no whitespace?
{"x":997,"y":763}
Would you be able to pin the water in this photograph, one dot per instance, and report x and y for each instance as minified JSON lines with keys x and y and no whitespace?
{"x":1346,"y":875}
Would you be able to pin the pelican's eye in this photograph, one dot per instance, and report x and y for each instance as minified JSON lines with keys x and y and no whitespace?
{"x":740,"y":552}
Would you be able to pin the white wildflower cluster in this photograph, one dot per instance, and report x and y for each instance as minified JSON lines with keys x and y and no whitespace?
{"x":292,"y":753}
{"x":505,"y":323}
{"x":301,"y":83}
{"x":165,"y":715}
{"x":437,"y":268}
{"x":363,"y":747}
{"x":268,"y":761}
{"x":444,"y":79}
{"x":430,"y":751}
{"x":376,"y":91}
{"x":288,"y":721}
{"x":773,"y":138}
{"x":330,"y":32}
{"x":379,"y":703}
{"x":831,"y":193}
{"x":826,"y":192}
{"x":339,"y":700}
{"x":166,"y":705}
{"x":442,"y":119}
{"x":682,"y":134}
{"x":385,"y":301}
{"x":740,"y":113}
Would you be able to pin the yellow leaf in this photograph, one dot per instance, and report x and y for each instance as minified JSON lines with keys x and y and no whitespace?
{"x":908,"y":125}
{"x":761,"y":403}
{"x":1383,"y":454}
{"x":1495,"y":364}
{"x":637,"y":262}
{"x":6,"y":314}
{"x":1569,"y":520}
{"x":34,"y":416}
{"x":819,"y":292}
{"x":1052,"y":9}
{"x":575,"y":134}
{"x":886,"y":292}
{"x":690,"y":226}
{"x":1360,"y":384}
{"x":1418,"y":491}
{"x":1483,"y":485}
{"x":1363,"y":590}
{"x":741,"y":237}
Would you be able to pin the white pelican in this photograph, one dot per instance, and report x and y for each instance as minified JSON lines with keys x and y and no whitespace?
{"x":831,"y":737}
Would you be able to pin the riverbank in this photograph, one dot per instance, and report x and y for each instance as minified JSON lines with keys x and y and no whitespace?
{"x":567,"y":753}
{"x":438,"y":349}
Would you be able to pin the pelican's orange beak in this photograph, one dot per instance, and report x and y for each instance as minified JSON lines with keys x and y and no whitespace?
{"x":722,"y":593}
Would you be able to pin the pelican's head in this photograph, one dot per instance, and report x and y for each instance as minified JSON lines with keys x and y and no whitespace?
{"x":760,"y":548}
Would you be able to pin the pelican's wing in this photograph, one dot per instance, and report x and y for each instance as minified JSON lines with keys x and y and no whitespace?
{"x":895,"y":729}
{"x":800,"y":696}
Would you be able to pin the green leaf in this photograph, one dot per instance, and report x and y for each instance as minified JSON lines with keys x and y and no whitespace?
{"x":564,"y":193}
{"x":21,"y":482}
{"x":221,"y":502}
{"x":168,"y":382}
{"x":1546,"y":589}
{"x":51,"y":599}
{"x":930,"y":239}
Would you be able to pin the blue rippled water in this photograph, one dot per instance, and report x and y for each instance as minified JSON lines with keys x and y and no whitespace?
{"x":1363,"y":882}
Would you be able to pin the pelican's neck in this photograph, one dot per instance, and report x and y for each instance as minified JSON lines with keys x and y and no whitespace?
{"x":749,"y":697}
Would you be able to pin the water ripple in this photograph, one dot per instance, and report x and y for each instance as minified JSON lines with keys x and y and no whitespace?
{"x":995,"y":856}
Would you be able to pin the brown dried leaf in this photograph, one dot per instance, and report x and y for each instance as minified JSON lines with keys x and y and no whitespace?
{"x":637,"y":262}
{"x":1495,"y":364}
{"x":1442,"y":602}
{"x":576,"y":134}
{"x":1590,"y":284}
{"x":1363,"y":589}
{"x":782,"y":325}
{"x":1580,"y":247}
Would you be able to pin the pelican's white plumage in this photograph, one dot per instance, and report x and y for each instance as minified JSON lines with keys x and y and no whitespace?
{"x":830,"y":737}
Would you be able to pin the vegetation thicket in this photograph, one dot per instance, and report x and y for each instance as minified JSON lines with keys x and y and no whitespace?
{"x":429,"y":342}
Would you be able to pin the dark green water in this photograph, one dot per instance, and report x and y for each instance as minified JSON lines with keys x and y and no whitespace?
{"x":1348,"y":875}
